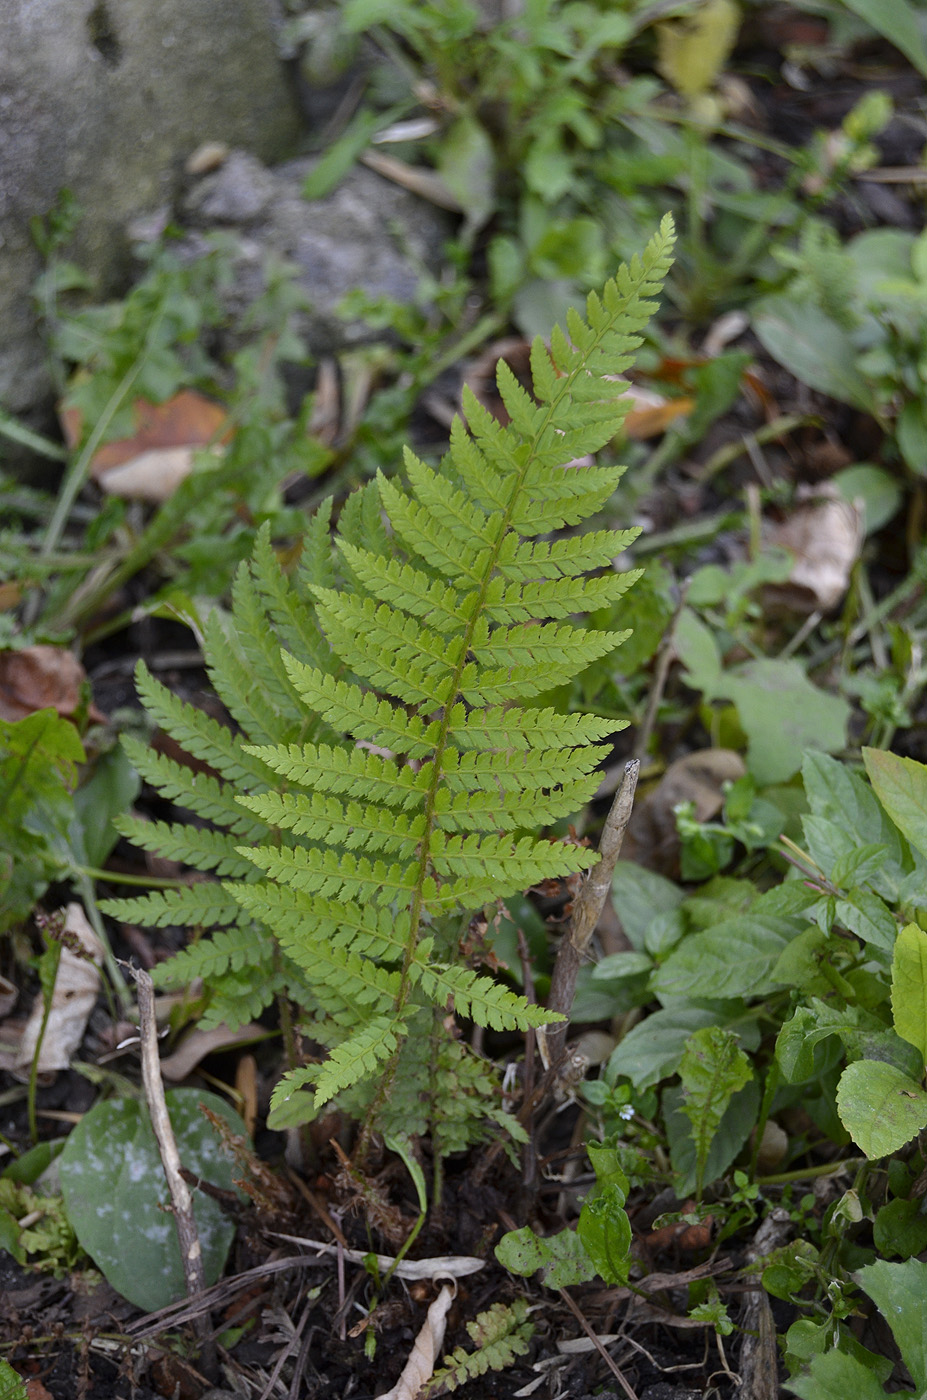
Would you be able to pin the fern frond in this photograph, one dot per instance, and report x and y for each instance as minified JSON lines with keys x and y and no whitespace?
{"x":500,"y":1335}
{"x":321,"y":818}
{"x":483,"y":1000}
{"x":197,"y":906}
{"x":199,"y":847}
{"x":197,"y":733}
{"x":392,"y":770}
{"x":198,"y":792}
{"x":357,"y":1058}
{"x":228,"y":950}
{"x":348,"y":771}
{"x":290,"y":611}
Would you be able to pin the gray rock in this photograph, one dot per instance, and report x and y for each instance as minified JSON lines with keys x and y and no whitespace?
{"x":108,"y":98}
{"x":368,"y":233}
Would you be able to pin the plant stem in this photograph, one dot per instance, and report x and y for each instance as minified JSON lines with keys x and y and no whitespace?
{"x":191,"y":1253}
{"x":586,"y":911}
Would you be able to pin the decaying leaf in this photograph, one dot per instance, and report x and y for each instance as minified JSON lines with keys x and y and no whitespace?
{"x":41,"y":678}
{"x":150,"y":465}
{"x":198,"y":1044}
{"x":421,"y":1363}
{"x":151,"y":476}
{"x":76,"y":989}
{"x":694,"y":49}
{"x":823,"y":534}
{"x":652,"y":838}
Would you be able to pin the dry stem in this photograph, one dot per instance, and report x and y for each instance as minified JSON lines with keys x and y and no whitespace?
{"x":191,"y":1253}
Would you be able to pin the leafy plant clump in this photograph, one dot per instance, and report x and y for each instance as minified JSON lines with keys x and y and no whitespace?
{"x":391,"y":767}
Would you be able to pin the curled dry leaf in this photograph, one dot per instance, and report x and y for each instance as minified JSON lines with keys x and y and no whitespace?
{"x":39,"y":678}
{"x":442,"y":1266}
{"x":150,"y":465}
{"x":76,"y":989}
{"x":421,"y":1363}
{"x":198,"y":1044}
{"x":652,"y":839}
{"x":823,"y":534}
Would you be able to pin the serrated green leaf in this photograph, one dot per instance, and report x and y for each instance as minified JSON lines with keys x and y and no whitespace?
{"x":880,"y":1106}
{"x":901,"y":786}
{"x":712,"y":1069}
{"x":909,"y":987}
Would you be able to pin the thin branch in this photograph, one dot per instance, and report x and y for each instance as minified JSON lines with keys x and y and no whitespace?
{"x":586,"y":911}
{"x":664,"y":659}
{"x":191,"y":1253}
{"x":597,"y":1343}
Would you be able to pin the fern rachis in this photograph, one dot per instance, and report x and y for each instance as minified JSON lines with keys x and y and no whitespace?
{"x":390,"y":773}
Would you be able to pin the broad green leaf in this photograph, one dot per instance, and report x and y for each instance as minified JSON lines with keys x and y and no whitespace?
{"x":467,"y":166}
{"x":112,"y":788}
{"x":712,"y":1069}
{"x":900,"y":23}
{"x":562,"y":1258}
{"x":651,"y":1051}
{"x":783,"y":715}
{"x":909,"y":986}
{"x":621,"y":965}
{"x":865,"y":914}
{"x":881,"y":1107}
{"x":639,"y":895}
{"x":813,"y":348}
{"x":605,"y":1231}
{"x":803,"y":1031}
{"x":900,"y":1228}
{"x":876,"y":488}
{"x":117,"y":1200}
{"x":901,"y":786}
{"x":899,"y":1291}
{"x":732,"y":1133}
{"x":12,"y":1385}
{"x":836,"y":1376}
{"x":698,"y":652}
{"x":704,"y":964}
{"x":834,"y":791}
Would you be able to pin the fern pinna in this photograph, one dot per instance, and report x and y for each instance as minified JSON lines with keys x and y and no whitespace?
{"x":391,"y":767}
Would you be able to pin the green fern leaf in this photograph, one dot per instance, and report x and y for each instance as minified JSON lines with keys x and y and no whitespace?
{"x":391,"y":770}
{"x":198,"y":906}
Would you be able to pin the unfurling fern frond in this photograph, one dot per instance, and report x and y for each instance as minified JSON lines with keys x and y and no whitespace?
{"x":389,"y":776}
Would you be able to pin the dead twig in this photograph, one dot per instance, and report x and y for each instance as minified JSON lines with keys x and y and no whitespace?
{"x":586,"y":911}
{"x":664,"y":659}
{"x":191,"y":1253}
{"x":616,"y":1372}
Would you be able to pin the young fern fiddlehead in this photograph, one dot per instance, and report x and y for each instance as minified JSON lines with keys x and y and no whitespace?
{"x":392,"y":767}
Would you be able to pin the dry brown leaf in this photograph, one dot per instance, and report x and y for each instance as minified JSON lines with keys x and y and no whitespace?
{"x":198,"y":1044}
{"x":36,"y":1390}
{"x":151,"y":476}
{"x":39,"y":677}
{"x":824,"y":535}
{"x":421,"y":1363}
{"x":652,"y":412}
{"x":186,"y":420}
{"x":151,"y":464}
{"x":652,"y":839}
{"x":76,"y":989}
